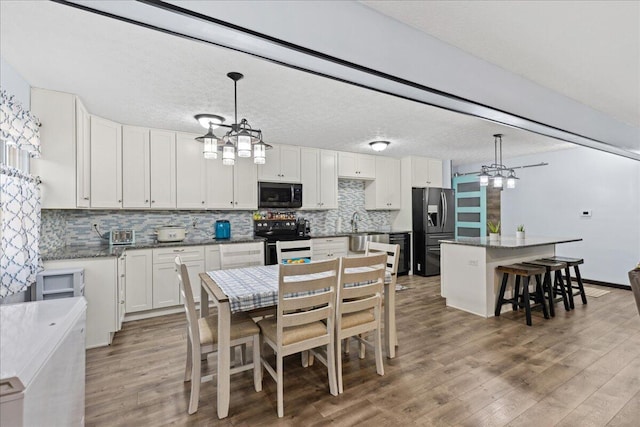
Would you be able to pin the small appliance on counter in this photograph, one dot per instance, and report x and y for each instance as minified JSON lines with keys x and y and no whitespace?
{"x":303,"y":227}
{"x":122,"y":237}
{"x":171,"y":233}
{"x":223,"y":229}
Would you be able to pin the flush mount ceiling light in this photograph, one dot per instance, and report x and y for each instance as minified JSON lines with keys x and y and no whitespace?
{"x":241,"y":139}
{"x":379,"y":145}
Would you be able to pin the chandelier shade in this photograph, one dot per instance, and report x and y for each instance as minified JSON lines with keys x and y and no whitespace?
{"x":241,"y":140}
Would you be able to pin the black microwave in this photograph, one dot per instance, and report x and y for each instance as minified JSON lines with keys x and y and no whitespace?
{"x":279,"y":195}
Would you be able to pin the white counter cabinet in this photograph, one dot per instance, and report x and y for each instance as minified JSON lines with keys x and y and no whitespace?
{"x":101,"y":292}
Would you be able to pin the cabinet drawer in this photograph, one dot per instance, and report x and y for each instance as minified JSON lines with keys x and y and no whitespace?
{"x":187,"y":253}
{"x":328,"y":244}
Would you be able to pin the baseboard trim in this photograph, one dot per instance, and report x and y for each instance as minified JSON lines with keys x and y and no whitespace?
{"x":607,"y":284}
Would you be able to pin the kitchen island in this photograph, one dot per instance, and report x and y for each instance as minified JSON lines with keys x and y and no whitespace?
{"x":468,"y":278}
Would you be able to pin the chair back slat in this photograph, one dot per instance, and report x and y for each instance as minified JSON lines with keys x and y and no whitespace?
{"x":368,"y":275}
{"x":293,"y":249}
{"x":240,"y":255}
{"x":298,"y":303}
{"x":305,"y":317}
{"x":308,"y":285}
{"x":353,"y":306}
{"x":361,"y":290}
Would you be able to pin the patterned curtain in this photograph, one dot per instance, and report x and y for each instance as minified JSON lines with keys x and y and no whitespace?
{"x":20,"y":235}
{"x":18,"y":126}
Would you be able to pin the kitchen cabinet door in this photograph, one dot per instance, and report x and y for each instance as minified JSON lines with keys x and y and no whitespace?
{"x":100,"y":291}
{"x":310,"y":177}
{"x":358,"y":166}
{"x":106,"y":163}
{"x":136,"y":189}
{"x":166,"y":292}
{"x":190,"y":173}
{"x":384,"y":191}
{"x":219,"y":185}
{"x":212,"y":257}
{"x":282,"y":164}
{"x":245,"y":185}
{"x":163,"y":169}
{"x":426,"y":172}
{"x":328,"y":178}
{"x":57,"y":163}
{"x":83,"y":156}
{"x":139,"y":280}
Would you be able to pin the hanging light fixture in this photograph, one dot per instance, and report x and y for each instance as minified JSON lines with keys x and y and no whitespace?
{"x":241,"y":138}
{"x":210,"y":142}
{"x":494,"y":171}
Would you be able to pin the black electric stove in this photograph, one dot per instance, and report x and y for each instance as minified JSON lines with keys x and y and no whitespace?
{"x":278,"y":229}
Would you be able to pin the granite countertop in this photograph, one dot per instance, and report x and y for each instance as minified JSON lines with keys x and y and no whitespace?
{"x":98,"y":251}
{"x":509,"y":242}
{"x":349,"y":233}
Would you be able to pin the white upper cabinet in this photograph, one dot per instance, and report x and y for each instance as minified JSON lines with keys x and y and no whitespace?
{"x":319,"y":177}
{"x":426,"y":172}
{"x":57,"y":163}
{"x":163,"y":169}
{"x":106,"y":163}
{"x":219,"y":184}
{"x":245,"y":185}
{"x":136,"y":192}
{"x":358,"y":166}
{"x":190,"y":172}
{"x":384,"y":192}
{"x":83,"y":156}
{"x":283,"y":164}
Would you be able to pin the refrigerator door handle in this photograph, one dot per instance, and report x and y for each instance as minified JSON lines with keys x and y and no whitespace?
{"x":444,"y":210}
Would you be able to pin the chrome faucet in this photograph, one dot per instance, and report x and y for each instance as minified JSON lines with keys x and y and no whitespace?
{"x":354,"y":222}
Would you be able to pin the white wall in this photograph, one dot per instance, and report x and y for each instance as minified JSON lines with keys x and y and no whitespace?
{"x":14,"y":83}
{"x":548,"y":201}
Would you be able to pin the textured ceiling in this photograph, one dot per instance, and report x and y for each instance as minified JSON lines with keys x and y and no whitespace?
{"x":586,"y":50}
{"x":142,"y":77}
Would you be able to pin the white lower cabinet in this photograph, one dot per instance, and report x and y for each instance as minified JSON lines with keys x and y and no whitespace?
{"x":329,"y":248}
{"x":166,"y":292}
{"x":139,"y":280}
{"x":212,"y":258}
{"x":101,"y":292}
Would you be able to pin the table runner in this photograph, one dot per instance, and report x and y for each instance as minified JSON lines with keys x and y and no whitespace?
{"x":254,"y":287}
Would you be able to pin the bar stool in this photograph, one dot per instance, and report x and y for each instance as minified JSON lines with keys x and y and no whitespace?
{"x":572,"y":262}
{"x":523,"y":301}
{"x":557,"y":286}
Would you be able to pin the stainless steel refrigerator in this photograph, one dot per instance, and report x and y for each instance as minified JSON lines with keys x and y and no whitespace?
{"x":433,"y":220}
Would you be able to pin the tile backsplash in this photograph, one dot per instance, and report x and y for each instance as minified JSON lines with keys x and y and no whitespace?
{"x":75,"y":226}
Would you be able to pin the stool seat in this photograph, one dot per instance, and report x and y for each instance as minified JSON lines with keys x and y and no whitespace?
{"x":548,"y":264}
{"x":521,"y":269}
{"x":570,"y":261}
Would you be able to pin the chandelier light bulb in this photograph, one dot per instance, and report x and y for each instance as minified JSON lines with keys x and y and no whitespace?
{"x":244,"y":144}
{"x":511,"y":180}
{"x":228,"y":154}
{"x":497,"y":181}
{"x":259,"y":153}
{"x":484,"y":177}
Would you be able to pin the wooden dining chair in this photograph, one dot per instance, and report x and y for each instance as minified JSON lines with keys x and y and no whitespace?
{"x":238,"y":255}
{"x":293,"y":249}
{"x":202,"y":339}
{"x":359,"y":305}
{"x":304,"y":320}
{"x":389,"y":302}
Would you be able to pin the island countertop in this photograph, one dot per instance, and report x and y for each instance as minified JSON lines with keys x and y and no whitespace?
{"x":510,"y":242}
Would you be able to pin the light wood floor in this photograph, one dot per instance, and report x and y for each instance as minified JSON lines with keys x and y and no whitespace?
{"x":581,"y":368}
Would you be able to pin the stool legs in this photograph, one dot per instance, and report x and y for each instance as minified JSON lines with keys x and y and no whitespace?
{"x":527,"y":303}
{"x":569,"y":287}
{"x":503,"y":288}
{"x":540,"y":296}
{"x":559,"y":285}
{"x":580,"y":287}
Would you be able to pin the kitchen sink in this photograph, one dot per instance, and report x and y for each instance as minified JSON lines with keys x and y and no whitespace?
{"x":358,"y":241}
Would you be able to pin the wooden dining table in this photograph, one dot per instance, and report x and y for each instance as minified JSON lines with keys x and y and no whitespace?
{"x":252,"y":288}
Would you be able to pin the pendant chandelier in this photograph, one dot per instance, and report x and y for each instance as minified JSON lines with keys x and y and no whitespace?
{"x":240,"y":140}
{"x":497,"y":172}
